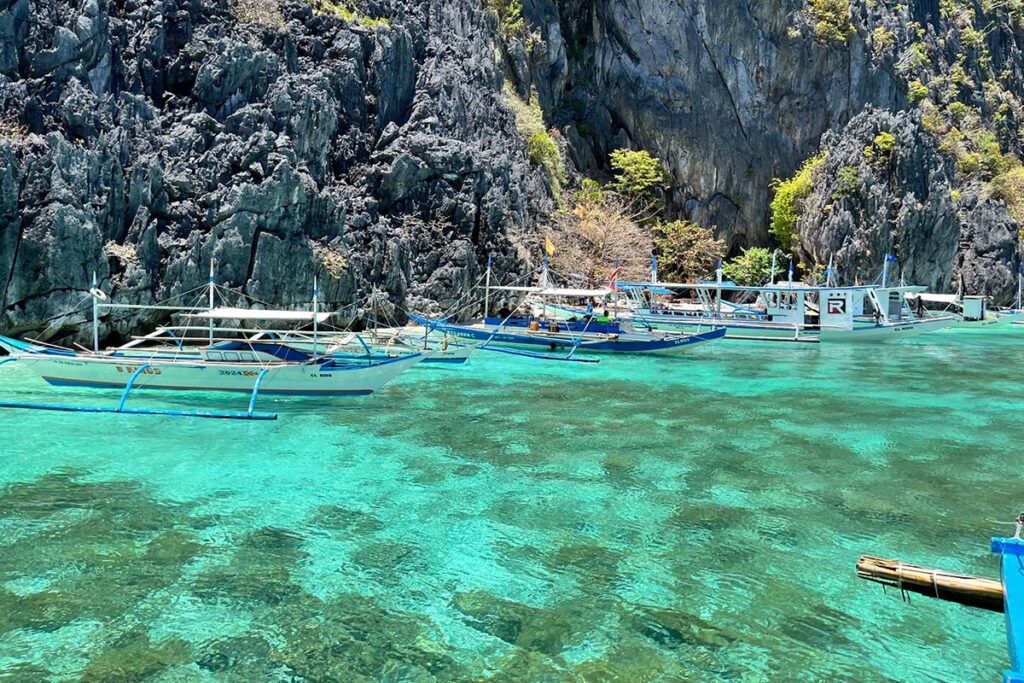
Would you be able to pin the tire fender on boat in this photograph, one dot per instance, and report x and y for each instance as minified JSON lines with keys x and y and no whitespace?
{"x":97,"y":293}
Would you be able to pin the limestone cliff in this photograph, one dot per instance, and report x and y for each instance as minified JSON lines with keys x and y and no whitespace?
{"x":270,"y":144}
{"x":372,"y":141}
{"x":733,"y":95}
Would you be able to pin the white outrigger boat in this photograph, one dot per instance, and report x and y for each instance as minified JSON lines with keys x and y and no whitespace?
{"x":786,"y":311}
{"x":582,"y":333}
{"x":220,"y":365}
{"x":969,"y":312}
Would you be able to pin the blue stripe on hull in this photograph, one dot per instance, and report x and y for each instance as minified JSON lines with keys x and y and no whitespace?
{"x":269,"y":392}
{"x":621,"y":346}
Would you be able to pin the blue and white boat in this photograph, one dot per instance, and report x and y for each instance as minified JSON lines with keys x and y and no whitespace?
{"x":528,"y":332}
{"x":1005,"y":595}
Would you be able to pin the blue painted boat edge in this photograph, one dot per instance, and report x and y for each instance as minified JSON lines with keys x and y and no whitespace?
{"x":512,"y":337}
{"x":83,"y":384}
{"x":1012,"y":552}
{"x":15,"y":346}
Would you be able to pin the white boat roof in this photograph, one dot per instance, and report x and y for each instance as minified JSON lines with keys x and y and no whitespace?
{"x":226,"y":313}
{"x":935,"y":298}
{"x":556,"y":291}
{"x":779,"y":287}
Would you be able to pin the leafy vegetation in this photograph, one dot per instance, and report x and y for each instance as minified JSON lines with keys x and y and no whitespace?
{"x":12,"y":130}
{"x":881,"y":151}
{"x":687,"y":250}
{"x":1009,"y":187}
{"x":849,"y":182}
{"x":539,"y":140}
{"x":510,"y":15}
{"x":832,"y":20}
{"x":347,"y":10}
{"x":788,"y":205}
{"x":917,"y":91}
{"x":544,"y":152}
{"x":751,"y":268}
{"x":638,"y":175}
{"x":882,"y":41}
{"x":332,"y":260}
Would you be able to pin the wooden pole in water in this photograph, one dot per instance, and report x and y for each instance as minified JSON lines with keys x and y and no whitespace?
{"x":965,"y":590}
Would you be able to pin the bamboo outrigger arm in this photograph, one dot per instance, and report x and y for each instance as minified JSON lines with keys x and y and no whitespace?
{"x":965,"y":590}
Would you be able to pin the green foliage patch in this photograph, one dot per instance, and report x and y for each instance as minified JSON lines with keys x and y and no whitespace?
{"x":688,"y":251}
{"x":638,"y":175}
{"x":751,"y":268}
{"x":832,"y":20}
{"x":787,"y":206}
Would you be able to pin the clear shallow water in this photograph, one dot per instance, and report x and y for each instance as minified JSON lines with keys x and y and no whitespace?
{"x":644,"y":519}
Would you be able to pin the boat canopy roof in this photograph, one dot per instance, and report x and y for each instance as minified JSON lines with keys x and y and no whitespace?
{"x":778,"y":287}
{"x":557,"y":291}
{"x":628,"y":287}
{"x":225,"y":313}
{"x":934,"y":298}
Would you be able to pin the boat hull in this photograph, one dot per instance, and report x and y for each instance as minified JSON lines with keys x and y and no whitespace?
{"x":553,"y":341}
{"x":282,"y":380}
{"x":737,"y":331}
{"x":885,"y":333}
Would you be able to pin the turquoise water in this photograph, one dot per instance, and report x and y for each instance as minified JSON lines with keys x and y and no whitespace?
{"x":643,"y":519}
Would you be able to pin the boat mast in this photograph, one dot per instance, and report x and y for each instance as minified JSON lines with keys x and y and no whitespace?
{"x":213,"y":289}
{"x":1020,"y":276}
{"x":828,"y":274}
{"x":615,"y":287}
{"x":718,"y":292}
{"x":316,"y":311}
{"x":885,"y":271}
{"x":96,"y":315}
{"x":487,"y":289}
{"x":774,"y":256}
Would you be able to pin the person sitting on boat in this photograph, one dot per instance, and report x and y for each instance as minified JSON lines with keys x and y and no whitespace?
{"x":504,"y":313}
{"x":590,"y":308}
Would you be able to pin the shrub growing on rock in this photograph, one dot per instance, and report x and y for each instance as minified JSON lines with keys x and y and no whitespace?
{"x":687,"y":250}
{"x":638,"y":175}
{"x":787,"y":207}
{"x":832,"y":20}
{"x":751,"y":268}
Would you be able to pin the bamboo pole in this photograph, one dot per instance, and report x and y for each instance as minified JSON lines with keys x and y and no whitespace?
{"x":965,"y":590}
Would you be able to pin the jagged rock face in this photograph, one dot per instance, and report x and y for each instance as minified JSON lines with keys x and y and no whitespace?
{"x":889,"y":204}
{"x":723,"y":92}
{"x":192,"y":137}
{"x":904,"y":204}
{"x":731,"y":95}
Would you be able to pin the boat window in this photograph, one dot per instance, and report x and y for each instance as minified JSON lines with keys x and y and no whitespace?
{"x":247,"y":357}
{"x":213,"y":355}
{"x":231,"y":356}
{"x":895,"y":305}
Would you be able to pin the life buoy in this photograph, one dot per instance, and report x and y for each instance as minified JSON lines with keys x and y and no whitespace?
{"x":98,"y":293}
